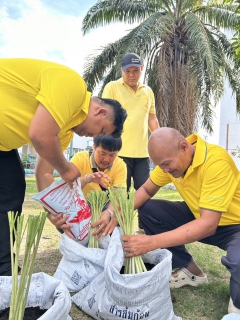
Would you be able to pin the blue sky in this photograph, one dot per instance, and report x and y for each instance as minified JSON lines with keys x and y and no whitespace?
{"x":71,"y":7}
{"x":51,"y":30}
{"x":16,"y":8}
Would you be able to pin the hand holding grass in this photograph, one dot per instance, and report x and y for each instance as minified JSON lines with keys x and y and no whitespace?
{"x":101,"y":224}
{"x":97,"y":200}
{"x":123,"y":204}
{"x":110,"y":226}
{"x":136,"y":245}
{"x":95,"y":177}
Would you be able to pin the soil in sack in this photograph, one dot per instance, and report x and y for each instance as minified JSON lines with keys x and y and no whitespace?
{"x":31,"y":313}
{"x":148,"y":266}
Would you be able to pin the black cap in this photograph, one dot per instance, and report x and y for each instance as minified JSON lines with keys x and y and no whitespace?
{"x":131,"y":60}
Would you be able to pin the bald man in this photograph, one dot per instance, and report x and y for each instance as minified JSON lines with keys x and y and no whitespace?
{"x":208,"y":180}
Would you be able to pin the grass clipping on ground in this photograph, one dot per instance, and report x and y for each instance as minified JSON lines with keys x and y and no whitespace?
{"x":21,"y":284}
{"x":123,"y":204}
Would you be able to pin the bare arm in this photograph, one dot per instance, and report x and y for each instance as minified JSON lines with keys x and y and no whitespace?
{"x":95,"y":177}
{"x":43,"y":174}
{"x":44,"y":178}
{"x":195,"y":230}
{"x":152,"y":122}
{"x":144,"y":193}
{"x":43,"y":132}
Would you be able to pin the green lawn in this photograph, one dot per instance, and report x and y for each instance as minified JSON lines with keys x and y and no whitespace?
{"x":207,"y":302}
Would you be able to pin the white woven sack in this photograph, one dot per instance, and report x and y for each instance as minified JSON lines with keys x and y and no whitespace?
{"x":80,"y":265}
{"x":231,"y":316}
{"x":112,"y":295}
{"x":45,"y":292}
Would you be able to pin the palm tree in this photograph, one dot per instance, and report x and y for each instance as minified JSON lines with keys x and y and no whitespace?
{"x":236,"y":41}
{"x":187,"y":54}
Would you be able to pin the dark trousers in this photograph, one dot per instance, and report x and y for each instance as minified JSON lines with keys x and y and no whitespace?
{"x":138,"y":169}
{"x":157,"y":216}
{"x":12,"y":191}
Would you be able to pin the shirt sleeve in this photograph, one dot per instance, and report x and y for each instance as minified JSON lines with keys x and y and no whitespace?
{"x":120,"y":178}
{"x":66,"y":139}
{"x":152,"y":108}
{"x":218,"y":186}
{"x":108,"y":91}
{"x":159,"y":178}
{"x":62,"y":92}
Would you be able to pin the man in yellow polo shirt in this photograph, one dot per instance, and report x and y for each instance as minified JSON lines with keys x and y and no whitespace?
{"x":44,"y":104}
{"x":103,"y":159}
{"x":138,"y":100}
{"x":208,"y":180}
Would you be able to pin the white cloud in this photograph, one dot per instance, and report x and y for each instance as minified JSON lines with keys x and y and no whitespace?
{"x":43,"y":34}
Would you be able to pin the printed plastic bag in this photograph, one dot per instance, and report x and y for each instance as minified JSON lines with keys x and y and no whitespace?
{"x":145,"y":295}
{"x":45,"y":292}
{"x":58,"y":197}
{"x":80,"y":265}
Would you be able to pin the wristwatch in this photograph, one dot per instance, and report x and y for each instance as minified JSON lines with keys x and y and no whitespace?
{"x":111,"y":213}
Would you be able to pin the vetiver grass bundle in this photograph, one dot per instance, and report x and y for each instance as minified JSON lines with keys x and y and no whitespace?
{"x":97,"y":199}
{"x":123,"y":204}
{"x":20,"y":287}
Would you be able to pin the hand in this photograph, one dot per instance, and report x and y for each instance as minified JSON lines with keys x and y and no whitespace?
{"x":136,"y":245}
{"x":60,"y":222}
{"x":71,"y":174}
{"x":111,"y":226}
{"x":101,"y":224}
{"x":96,"y":177}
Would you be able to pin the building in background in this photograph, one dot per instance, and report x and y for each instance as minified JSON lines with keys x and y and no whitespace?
{"x":28,"y":153}
{"x":78,"y":144}
{"x":226,"y":126}
{"x":229,"y":125}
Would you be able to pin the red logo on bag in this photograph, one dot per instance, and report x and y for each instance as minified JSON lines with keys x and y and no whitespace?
{"x":81,"y":215}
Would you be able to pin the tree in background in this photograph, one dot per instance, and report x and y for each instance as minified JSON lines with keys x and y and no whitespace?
{"x":236,"y":40}
{"x":186,"y":52}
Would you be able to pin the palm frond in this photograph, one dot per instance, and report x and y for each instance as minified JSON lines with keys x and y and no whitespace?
{"x":113,"y":74}
{"x":221,"y":16}
{"x":129,"y":11}
{"x":141,"y":37}
{"x":96,"y":65}
{"x":206,"y":113}
{"x":187,"y":52}
{"x":198,"y":40}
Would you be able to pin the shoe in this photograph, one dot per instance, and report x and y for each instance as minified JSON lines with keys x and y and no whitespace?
{"x":183,"y":277}
{"x":232,"y":308}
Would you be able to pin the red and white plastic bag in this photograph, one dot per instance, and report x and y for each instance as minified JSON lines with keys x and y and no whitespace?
{"x":60,"y":198}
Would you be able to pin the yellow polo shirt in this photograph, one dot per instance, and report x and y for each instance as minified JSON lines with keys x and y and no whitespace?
{"x":24,"y":83}
{"x":117,"y":172}
{"x":212,"y":182}
{"x":138,"y":106}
